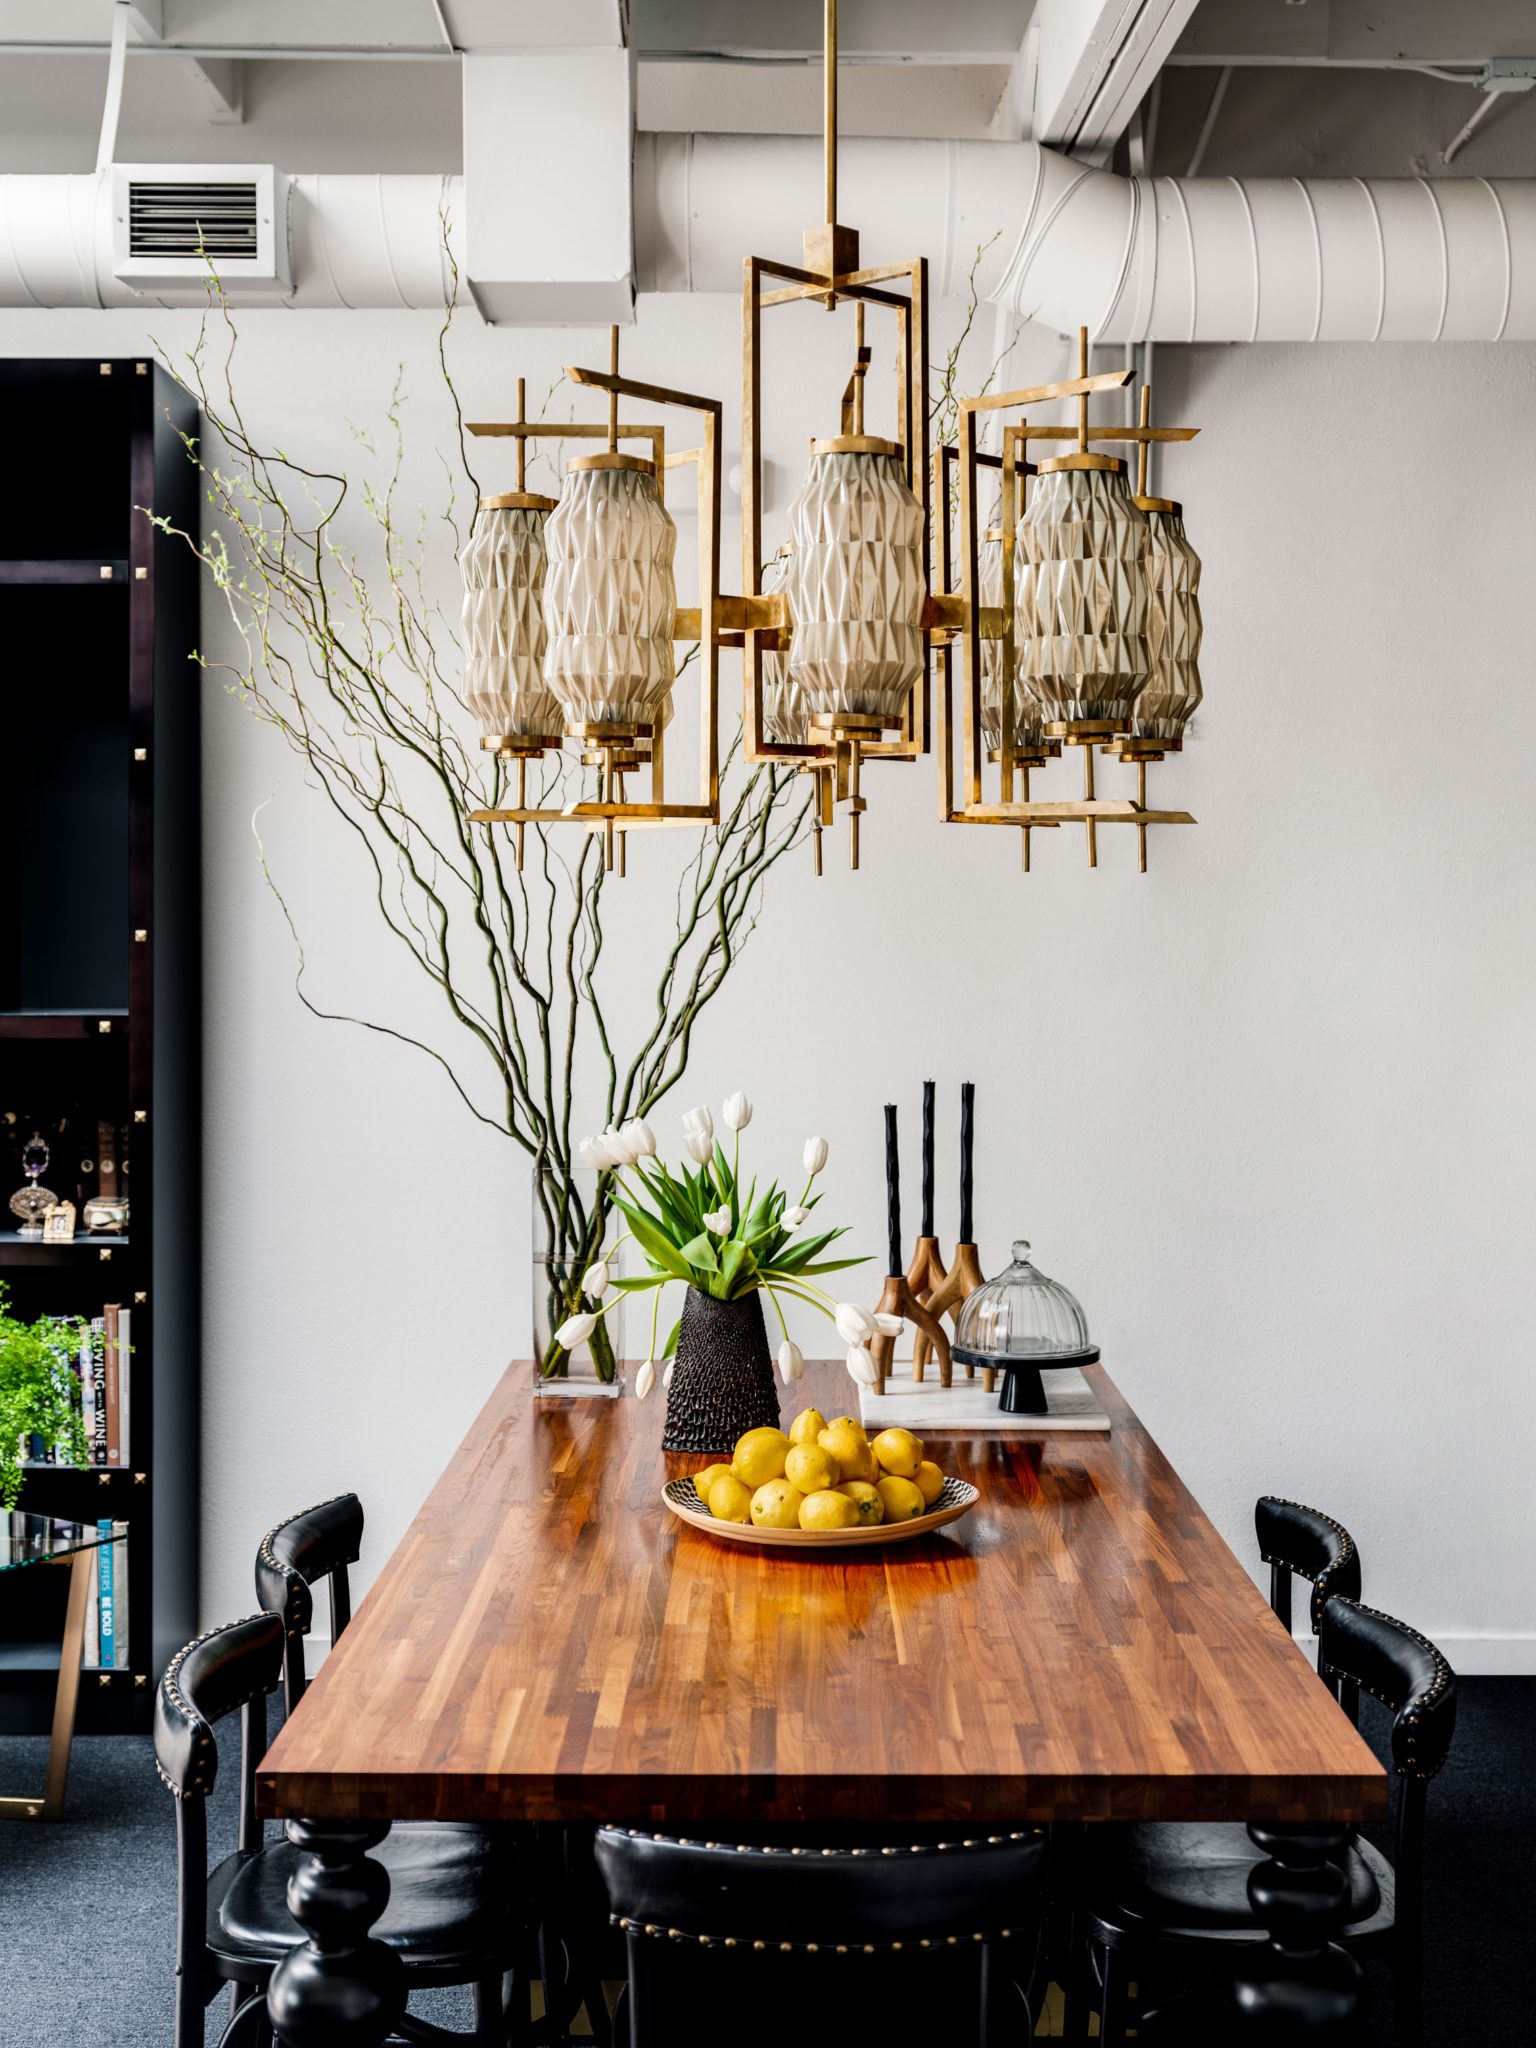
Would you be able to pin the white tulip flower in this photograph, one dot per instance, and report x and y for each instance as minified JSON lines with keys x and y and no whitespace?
{"x":719,"y":1221}
{"x":815,"y":1155}
{"x":620,"y":1150}
{"x":594,"y":1153}
{"x":737,"y":1112}
{"x":596,"y":1278}
{"x":791,"y":1362}
{"x":666,"y":1378}
{"x":645,"y":1379}
{"x":888,"y":1326}
{"x":793,"y":1218}
{"x":699,"y":1146}
{"x":861,"y":1367}
{"x":699,"y":1120}
{"x":641,"y":1137}
{"x":855,"y":1325}
{"x":575,"y":1330}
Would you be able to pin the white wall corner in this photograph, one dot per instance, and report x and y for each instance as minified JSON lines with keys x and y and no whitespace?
{"x":549,"y":186}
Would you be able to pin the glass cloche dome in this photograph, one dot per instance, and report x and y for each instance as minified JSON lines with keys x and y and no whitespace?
{"x":1020,"y":1323}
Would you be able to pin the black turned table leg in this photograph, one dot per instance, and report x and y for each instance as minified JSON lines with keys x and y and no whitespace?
{"x":1299,"y":1986}
{"x":339,"y":1988}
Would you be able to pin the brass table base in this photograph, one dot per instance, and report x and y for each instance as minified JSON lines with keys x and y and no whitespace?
{"x":18,"y":1806}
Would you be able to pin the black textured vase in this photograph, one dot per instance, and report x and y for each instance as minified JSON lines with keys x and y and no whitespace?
{"x":722,"y":1380}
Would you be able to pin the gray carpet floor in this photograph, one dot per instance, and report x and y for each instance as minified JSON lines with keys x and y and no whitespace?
{"x":87,"y":1904}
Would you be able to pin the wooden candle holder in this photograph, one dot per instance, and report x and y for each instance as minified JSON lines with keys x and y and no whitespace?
{"x":926,"y":1271}
{"x":899,"y":1300}
{"x":959,"y":1283}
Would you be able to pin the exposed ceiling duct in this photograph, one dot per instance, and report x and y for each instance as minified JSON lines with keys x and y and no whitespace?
{"x":1165,"y":259}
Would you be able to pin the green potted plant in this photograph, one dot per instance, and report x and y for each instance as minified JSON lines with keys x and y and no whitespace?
{"x":38,"y":1394}
{"x":728,"y":1246}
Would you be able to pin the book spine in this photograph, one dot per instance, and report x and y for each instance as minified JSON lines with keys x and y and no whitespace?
{"x":90,"y":1649}
{"x":98,"y":1390}
{"x":107,"y":1640}
{"x":112,"y":1381}
{"x":125,"y":1380}
{"x":121,"y":1651}
{"x":87,"y":1391}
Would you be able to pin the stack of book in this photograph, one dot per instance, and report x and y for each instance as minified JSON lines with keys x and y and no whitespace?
{"x":106,"y":1611}
{"x":102,"y":1369}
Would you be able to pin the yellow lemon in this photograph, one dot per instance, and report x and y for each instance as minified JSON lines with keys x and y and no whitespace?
{"x":845,"y":1441}
{"x":902,"y":1499}
{"x":929,"y":1481}
{"x":776,"y":1505}
{"x":828,"y":1510}
{"x":729,"y":1500}
{"x":759,"y":1456}
{"x":811,"y":1468}
{"x":866,"y":1499}
{"x":898,"y":1451}
{"x":807,"y":1426}
{"x":703,"y":1481}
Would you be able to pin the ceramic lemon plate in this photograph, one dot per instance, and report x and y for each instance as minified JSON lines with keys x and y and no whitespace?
{"x":956,"y":1498}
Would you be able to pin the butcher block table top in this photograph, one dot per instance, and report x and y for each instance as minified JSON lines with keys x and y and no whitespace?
{"x":549,"y":1643}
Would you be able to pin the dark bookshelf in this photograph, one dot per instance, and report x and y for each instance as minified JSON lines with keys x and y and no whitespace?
{"x":100,"y":965}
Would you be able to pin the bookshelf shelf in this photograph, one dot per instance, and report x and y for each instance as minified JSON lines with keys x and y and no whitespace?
{"x":99,"y":925}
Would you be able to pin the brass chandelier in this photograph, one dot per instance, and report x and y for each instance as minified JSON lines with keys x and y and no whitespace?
{"x":1075,"y":613}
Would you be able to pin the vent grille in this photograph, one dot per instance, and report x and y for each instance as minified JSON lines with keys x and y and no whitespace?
{"x":211,"y":218}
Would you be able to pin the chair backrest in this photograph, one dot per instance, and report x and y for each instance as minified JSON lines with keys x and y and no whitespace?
{"x":1293,"y":1538}
{"x":1410,"y":1677}
{"x":231,"y":1669}
{"x":318,"y":1544}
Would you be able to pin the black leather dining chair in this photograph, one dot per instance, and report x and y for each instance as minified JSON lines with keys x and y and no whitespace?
{"x":1301,"y":1541}
{"x":940,"y":1937}
{"x":1171,"y":1900}
{"x":318,"y":1544}
{"x":455,"y":1896}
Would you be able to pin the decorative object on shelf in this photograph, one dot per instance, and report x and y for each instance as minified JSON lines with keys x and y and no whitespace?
{"x":727,"y":1246}
{"x":566,"y":1283}
{"x":1020,"y":1325}
{"x":106,"y":1214}
{"x":39,"y":1395}
{"x":822,"y":1482}
{"x":33,"y":1202}
{"x":59,"y":1223}
{"x":898,"y":1304}
{"x":611,"y":613}
{"x":964,"y":1275}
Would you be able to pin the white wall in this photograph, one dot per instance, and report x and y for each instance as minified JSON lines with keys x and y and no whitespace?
{"x":1267,"y":1109}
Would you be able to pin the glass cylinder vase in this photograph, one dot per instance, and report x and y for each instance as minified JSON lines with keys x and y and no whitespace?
{"x":570,"y":1229}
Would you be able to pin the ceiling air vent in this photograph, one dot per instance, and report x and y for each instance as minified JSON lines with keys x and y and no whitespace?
{"x":174,"y":223}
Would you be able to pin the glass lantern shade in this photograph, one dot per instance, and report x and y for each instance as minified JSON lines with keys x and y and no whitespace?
{"x":786,"y":715}
{"x":1028,"y":724}
{"x":610,"y":598}
{"x":503,"y":620}
{"x":1082,"y":599}
{"x":1174,"y":628}
{"x":855,"y":582}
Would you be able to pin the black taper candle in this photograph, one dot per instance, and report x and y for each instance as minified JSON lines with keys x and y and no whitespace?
{"x":967,"y":1111}
{"x":892,"y":1189}
{"x":927,"y":1159}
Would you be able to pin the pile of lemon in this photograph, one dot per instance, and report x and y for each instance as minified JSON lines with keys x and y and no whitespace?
{"x":823,"y":1475}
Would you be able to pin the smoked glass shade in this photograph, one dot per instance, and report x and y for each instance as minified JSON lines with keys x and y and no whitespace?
{"x":610,"y":600}
{"x":786,"y":715}
{"x":855,"y":583}
{"x":1022,"y":1314}
{"x":1028,"y":725}
{"x":1174,"y":628}
{"x":1081,"y":594}
{"x":503,"y":620}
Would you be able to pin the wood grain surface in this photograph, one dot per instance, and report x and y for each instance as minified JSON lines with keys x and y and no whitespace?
{"x":548,"y":1642}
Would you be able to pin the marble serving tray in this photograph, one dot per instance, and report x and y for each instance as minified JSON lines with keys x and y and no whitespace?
{"x":967,"y":1406}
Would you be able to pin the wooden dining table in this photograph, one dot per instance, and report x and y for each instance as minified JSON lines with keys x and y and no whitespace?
{"x":549,"y":1643}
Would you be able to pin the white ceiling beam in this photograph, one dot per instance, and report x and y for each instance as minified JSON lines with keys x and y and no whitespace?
{"x":1096,"y":62}
{"x":535,"y":24}
{"x":219,"y":82}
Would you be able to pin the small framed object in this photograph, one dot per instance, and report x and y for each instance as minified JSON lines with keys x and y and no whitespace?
{"x":59,"y":1223}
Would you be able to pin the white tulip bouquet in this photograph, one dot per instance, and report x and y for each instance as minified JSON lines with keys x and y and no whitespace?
{"x":697,"y":1226}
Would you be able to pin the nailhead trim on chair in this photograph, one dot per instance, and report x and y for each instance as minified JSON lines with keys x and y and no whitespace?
{"x":202,"y":1733}
{"x":840,"y":1948}
{"x":1410,"y":1716}
{"x":1333,"y":1565}
{"x":291,"y":1573}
